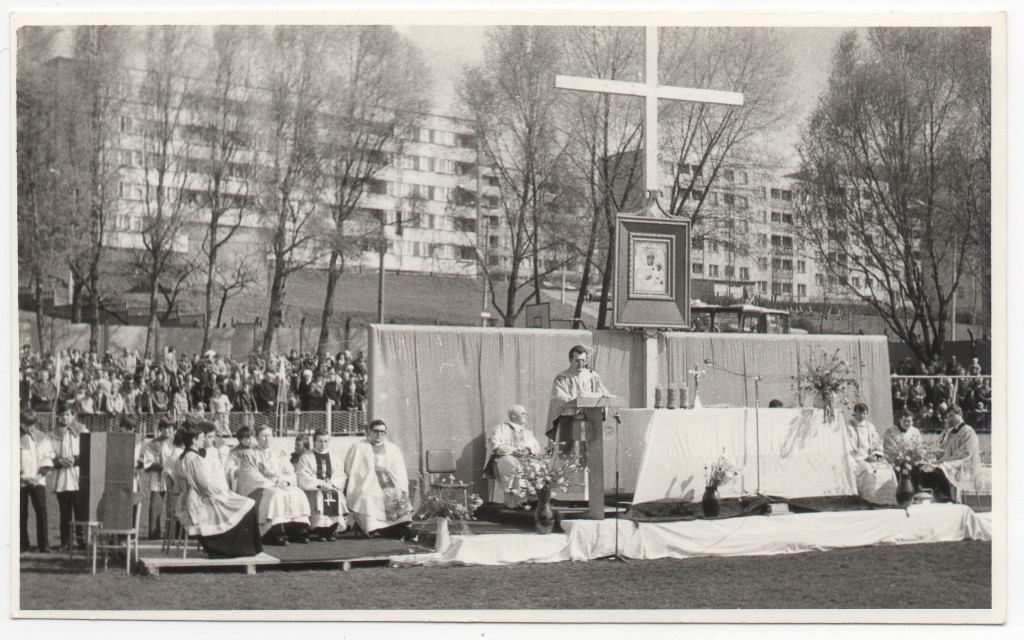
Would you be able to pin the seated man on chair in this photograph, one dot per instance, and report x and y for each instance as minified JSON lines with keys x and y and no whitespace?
{"x":317,"y":472}
{"x":876,"y":480}
{"x":958,"y":462}
{"x":266,"y":474}
{"x":377,"y":485}
{"x":509,"y":441}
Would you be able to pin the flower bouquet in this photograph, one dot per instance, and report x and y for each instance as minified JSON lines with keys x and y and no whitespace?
{"x":905,"y":456}
{"x":722,"y":471}
{"x":831,"y":378}
{"x":543,"y":474}
{"x":438,"y":503}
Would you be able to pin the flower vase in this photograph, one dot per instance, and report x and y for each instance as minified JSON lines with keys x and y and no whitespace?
{"x":711,"y":502}
{"x":544,"y":516}
{"x":442,"y":537}
{"x":905,"y":491}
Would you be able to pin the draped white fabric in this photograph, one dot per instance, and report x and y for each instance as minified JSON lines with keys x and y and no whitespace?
{"x":749,"y":536}
{"x":800,"y":454}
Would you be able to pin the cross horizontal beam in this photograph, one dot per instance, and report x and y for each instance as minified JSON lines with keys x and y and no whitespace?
{"x":620,"y":87}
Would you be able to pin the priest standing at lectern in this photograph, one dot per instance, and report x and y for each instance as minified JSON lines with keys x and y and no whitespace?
{"x":579,"y":380}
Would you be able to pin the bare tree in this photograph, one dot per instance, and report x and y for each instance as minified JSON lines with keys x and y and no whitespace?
{"x":291,"y":202}
{"x":886,"y":196}
{"x":228,"y":156}
{"x":168,"y":167}
{"x":41,"y":230}
{"x":512,"y":104}
{"x":233,"y":278}
{"x":90,"y":91}
{"x":704,"y":139}
{"x":605,"y":133}
{"x":376,"y":90}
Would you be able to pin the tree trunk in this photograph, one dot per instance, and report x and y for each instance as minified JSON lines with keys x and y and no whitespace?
{"x":220,"y":309}
{"x":154,"y":321}
{"x":585,"y":282}
{"x":94,"y":320}
{"x":510,"y":297}
{"x":333,"y":276}
{"x":76,"y":301}
{"x":606,"y":281}
{"x":211,"y":266}
{"x":37,"y":294}
{"x":276,"y":304}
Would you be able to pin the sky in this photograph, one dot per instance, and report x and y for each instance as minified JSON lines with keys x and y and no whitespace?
{"x":449,"y":49}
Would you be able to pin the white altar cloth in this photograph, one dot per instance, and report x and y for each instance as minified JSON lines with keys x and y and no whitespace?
{"x":742,"y":536}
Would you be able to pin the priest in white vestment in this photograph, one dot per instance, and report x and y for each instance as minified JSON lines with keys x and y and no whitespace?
{"x":579,"y":380}
{"x":283,"y":507}
{"x":377,"y":484}
{"x":319,"y":475}
{"x":901,"y":435}
{"x":509,"y":441}
{"x":876,"y":479}
{"x":959,"y":459}
{"x":224,"y":522}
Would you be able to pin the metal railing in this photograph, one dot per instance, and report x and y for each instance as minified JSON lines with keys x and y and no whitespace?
{"x":283,"y":422}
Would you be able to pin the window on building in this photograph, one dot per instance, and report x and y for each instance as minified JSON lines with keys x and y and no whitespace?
{"x":466,"y":225}
{"x":730,"y":271}
{"x":819,"y":279}
{"x":728,"y":199}
{"x":492,"y":242}
{"x":776,"y":216}
{"x":744,"y":273}
{"x":713,"y":270}
{"x":491,"y":181}
{"x":491,"y":202}
{"x":801,"y":266}
{"x":467,"y":140}
{"x":787,"y":287}
{"x":776,"y":194}
{"x":856,"y":281}
{"x":762,"y":286}
{"x":730,"y":176}
{"x":377,"y":187}
{"x":801,"y":290}
{"x":697,"y":268}
{"x":493,"y":261}
{"x":787,"y":218}
{"x":697,"y":244}
{"x":762,"y":263}
{"x":494,"y":221}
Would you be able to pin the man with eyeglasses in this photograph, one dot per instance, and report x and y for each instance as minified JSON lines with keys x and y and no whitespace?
{"x":68,"y":435}
{"x":579,"y":380}
{"x":876,"y":480}
{"x":377,"y":485}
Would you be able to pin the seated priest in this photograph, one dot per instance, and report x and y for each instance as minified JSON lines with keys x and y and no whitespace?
{"x":244,"y":436}
{"x":266,"y":475}
{"x":224,"y":522}
{"x":377,"y":485}
{"x":876,"y":480}
{"x":509,"y":441}
{"x":579,"y":380}
{"x":902,"y":435}
{"x":318,"y":475}
{"x":959,"y":459}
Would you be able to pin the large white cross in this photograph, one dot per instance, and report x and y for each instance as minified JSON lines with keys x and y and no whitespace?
{"x":650,"y":90}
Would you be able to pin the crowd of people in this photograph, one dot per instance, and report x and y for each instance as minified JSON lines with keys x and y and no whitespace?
{"x":180,"y":384}
{"x":930,"y":391}
{"x":232,"y":499}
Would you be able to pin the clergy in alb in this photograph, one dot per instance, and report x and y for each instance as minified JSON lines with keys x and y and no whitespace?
{"x":509,"y":441}
{"x":876,"y":480}
{"x":223,"y":521}
{"x":318,"y":474}
{"x":959,"y":459}
{"x":579,"y":380}
{"x":266,"y":474}
{"x":377,"y":484}
{"x":901,"y":435}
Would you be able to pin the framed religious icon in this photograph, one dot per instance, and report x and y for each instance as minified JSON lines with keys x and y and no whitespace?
{"x":650,"y":269}
{"x":652,"y":275}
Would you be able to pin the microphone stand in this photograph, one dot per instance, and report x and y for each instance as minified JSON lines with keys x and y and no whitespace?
{"x":617,"y":556}
{"x":757,"y":422}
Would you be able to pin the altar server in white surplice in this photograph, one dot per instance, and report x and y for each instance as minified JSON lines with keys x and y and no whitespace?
{"x":223,"y":521}
{"x":266,"y":474}
{"x":876,"y":480}
{"x":377,"y":485}
{"x":319,"y":474}
{"x":508,"y":442}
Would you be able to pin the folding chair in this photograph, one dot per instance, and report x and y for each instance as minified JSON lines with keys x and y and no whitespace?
{"x":108,"y":540}
{"x":442,"y":461}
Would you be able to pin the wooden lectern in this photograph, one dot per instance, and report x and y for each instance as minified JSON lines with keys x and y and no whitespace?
{"x":589,"y":414}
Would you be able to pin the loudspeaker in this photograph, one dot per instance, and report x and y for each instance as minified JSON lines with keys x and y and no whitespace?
{"x":107,"y":473}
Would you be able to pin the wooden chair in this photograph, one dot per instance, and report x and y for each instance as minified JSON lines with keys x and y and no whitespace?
{"x":175,"y":532}
{"x":111,"y":540}
{"x":90,"y":527}
{"x":441,"y":462}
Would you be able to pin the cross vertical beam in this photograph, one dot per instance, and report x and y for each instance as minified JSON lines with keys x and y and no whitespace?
{"x":651,"y":91}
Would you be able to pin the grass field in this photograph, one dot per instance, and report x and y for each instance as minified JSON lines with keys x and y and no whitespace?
{"x":873,"y":577}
